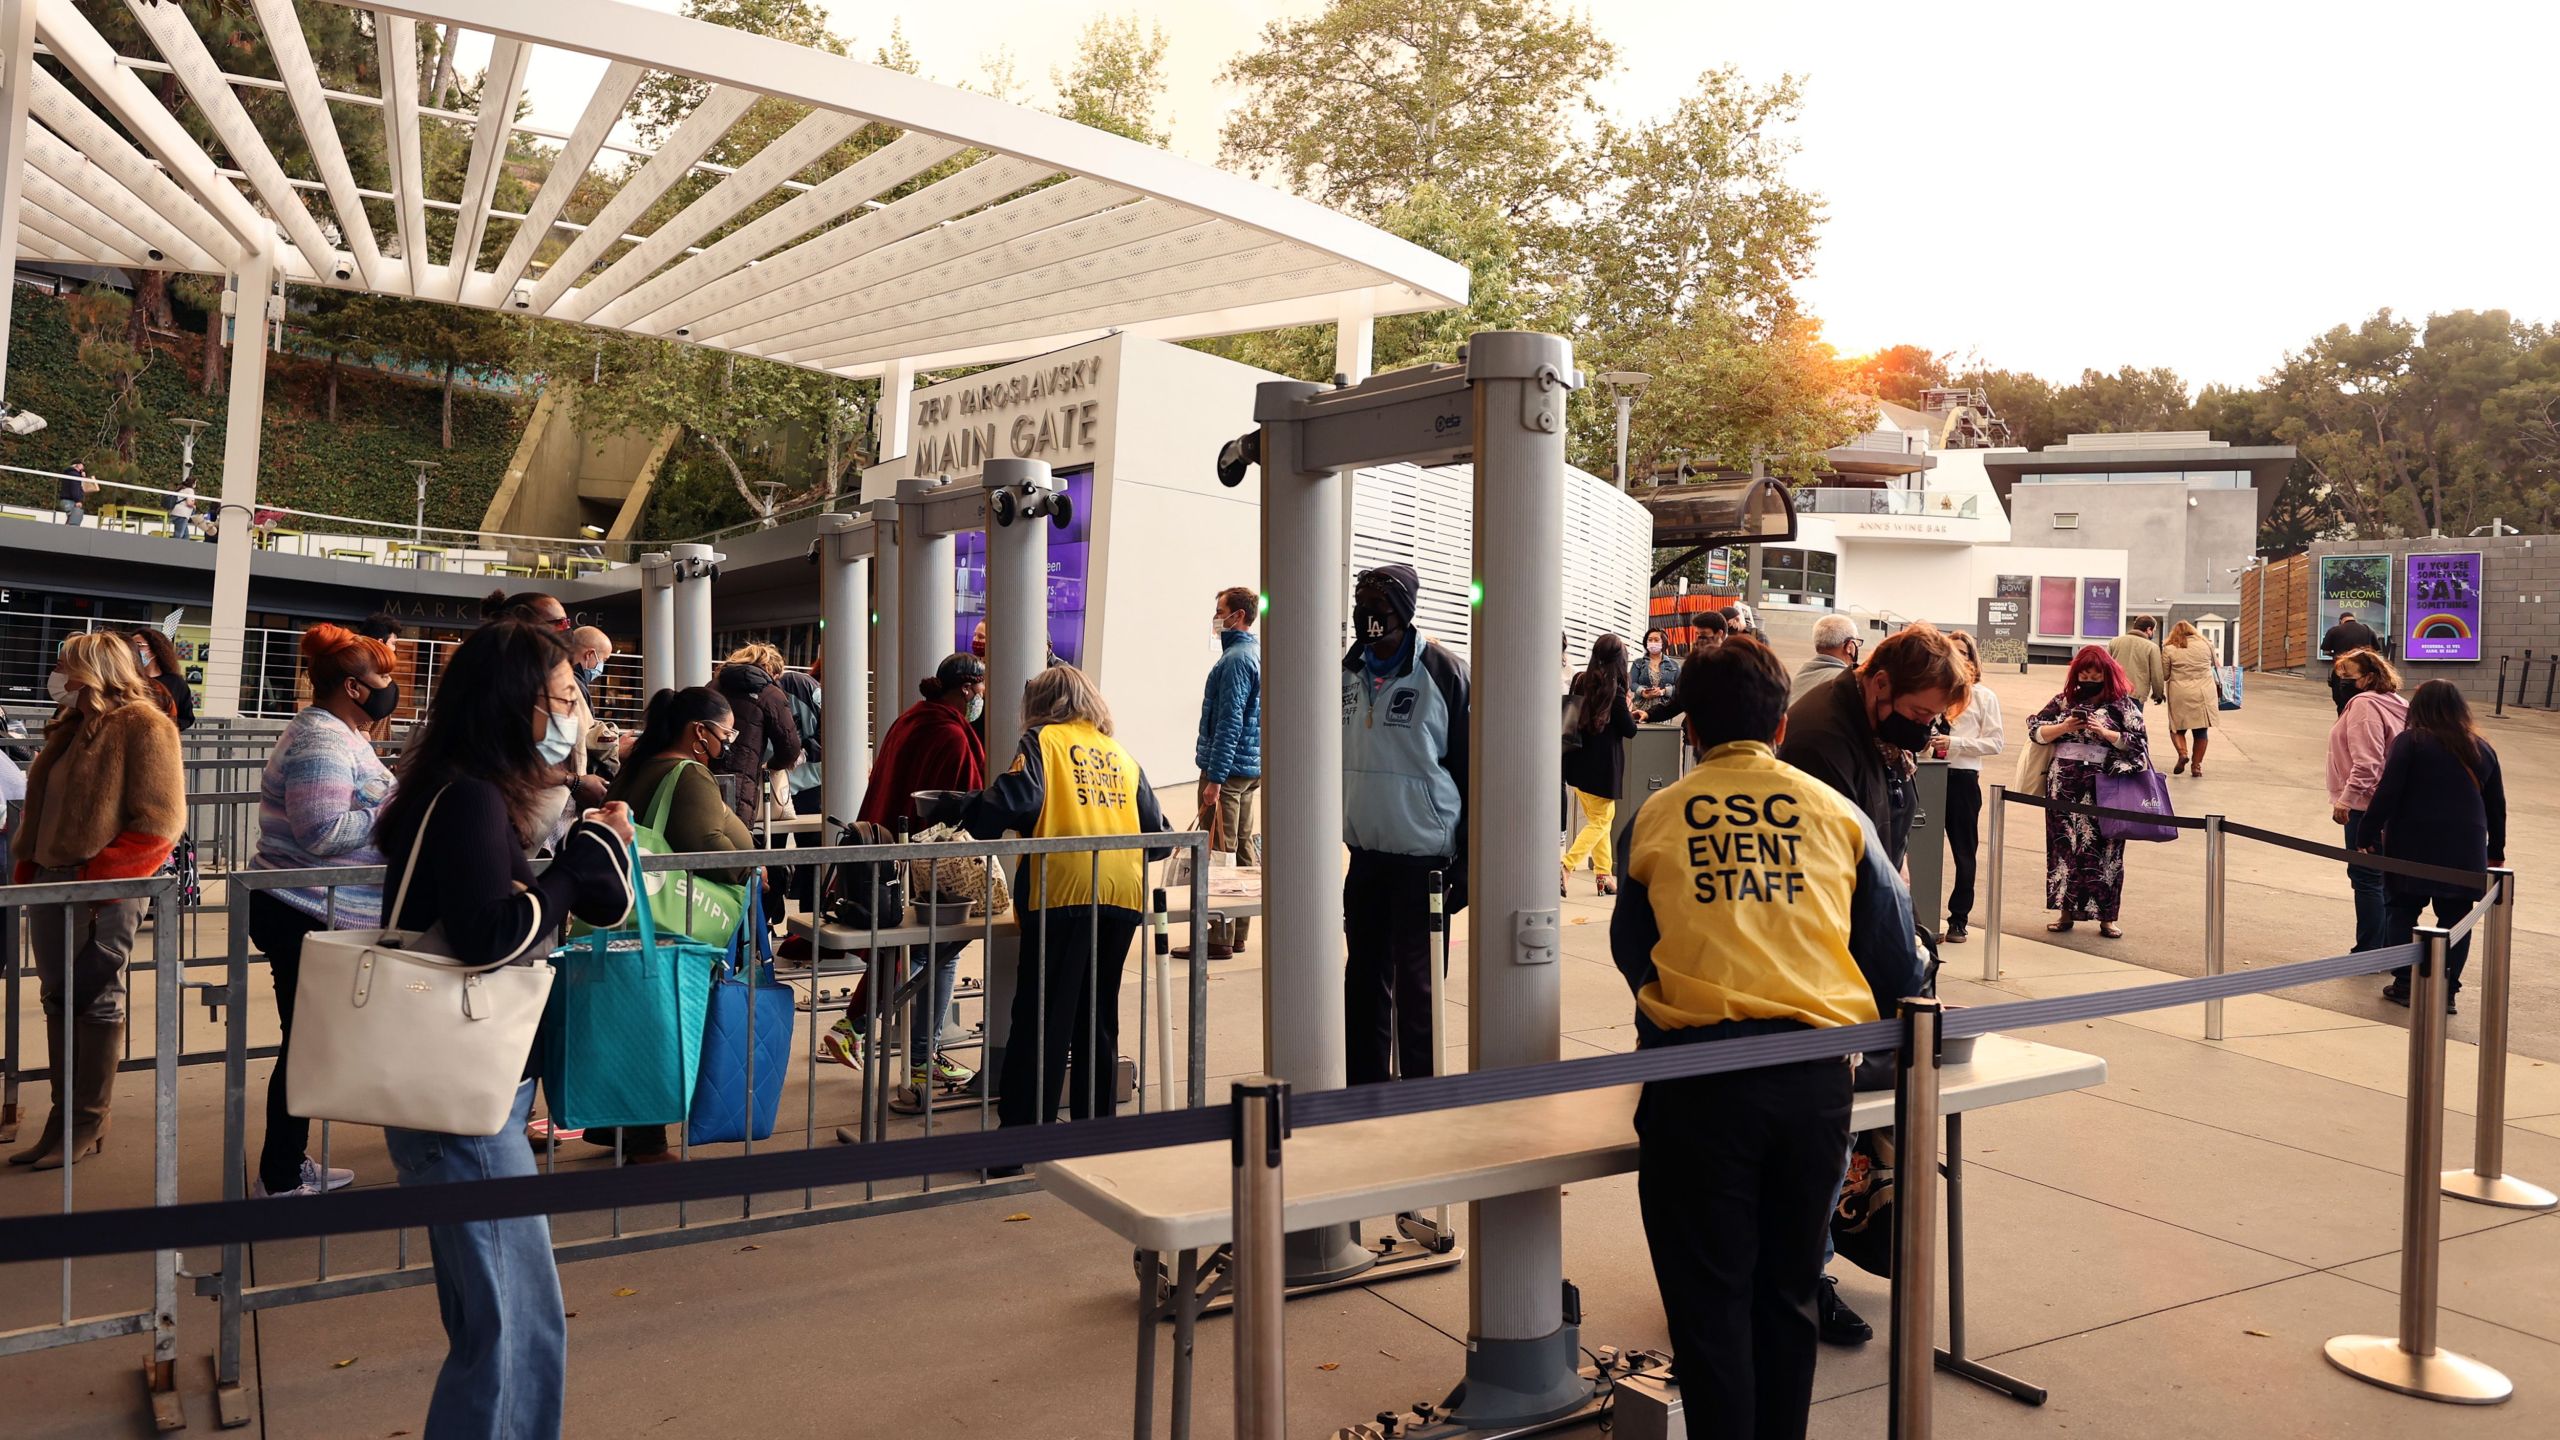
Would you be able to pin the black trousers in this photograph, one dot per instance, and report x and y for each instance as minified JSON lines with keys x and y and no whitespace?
{"x":2400,"y":914}
{"x":1734,"y":1174}
{"x":1066,"y":1008}
{"x":277,"y":929}
{"x":1964,"y":839}
{"x":1386,"y":986}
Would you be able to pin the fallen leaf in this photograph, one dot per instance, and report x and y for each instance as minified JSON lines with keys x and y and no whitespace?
{"x":2261,"y":1334}
{"x":343,"y":1364}
{"x":624,"y":1293}
{"x":743,"y":1249}
{"x":572,"y":1315}
{"x":1329,"y":1365}
{"x":1390,"y":1354}
{"x":1017,"y":1215}
{"x":1581,"y":920}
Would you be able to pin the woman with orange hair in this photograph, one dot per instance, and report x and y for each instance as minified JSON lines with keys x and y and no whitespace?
{"x":106,"y":799}
{"x":2095,"y":728}
{"x":317,"y":801}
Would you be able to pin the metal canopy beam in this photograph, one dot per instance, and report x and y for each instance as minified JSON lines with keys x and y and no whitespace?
{"x":320,"y":130}
{"x":399,"y":46}
{"x":692,"y":140}
{"x":507,"y":62}
{"x":175,"y":36}
{"x":604,"y":109}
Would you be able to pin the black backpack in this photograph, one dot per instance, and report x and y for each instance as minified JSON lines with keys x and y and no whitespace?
{"x":864,"y":894}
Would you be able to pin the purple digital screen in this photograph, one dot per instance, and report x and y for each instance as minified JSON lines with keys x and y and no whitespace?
{"x":1068,"y":551}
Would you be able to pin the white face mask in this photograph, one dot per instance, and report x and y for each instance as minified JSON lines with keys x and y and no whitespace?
{"x":57,"y":686}
{"x":977,"y":706}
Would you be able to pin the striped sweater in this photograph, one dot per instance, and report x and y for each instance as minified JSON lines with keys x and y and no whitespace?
{"x":316,"y":805}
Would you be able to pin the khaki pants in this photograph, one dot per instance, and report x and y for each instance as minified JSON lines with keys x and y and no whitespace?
{"x":97,"y":936}
{"x":1235,"y":818}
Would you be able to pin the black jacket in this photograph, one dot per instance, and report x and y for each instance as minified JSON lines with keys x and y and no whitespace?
{"x":1600,"y":766}
{"x":2427,"y":807}
{"x":767,"y":737}
{"x":1830,"y":739}
{"x":2349,"y":635}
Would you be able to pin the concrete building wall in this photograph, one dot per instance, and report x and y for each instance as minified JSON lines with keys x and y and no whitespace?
{"x":2150,"y":523}
{"x":2520,"y":611}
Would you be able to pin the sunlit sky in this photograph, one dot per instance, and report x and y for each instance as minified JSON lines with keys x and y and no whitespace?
{"x":2049,"y":187}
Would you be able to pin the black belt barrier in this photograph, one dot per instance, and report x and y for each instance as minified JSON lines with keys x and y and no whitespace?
{"x":235,"y":1222}
{"x":2417,"y":870}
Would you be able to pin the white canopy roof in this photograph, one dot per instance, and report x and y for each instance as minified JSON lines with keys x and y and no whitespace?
{"x":1051,"y":233}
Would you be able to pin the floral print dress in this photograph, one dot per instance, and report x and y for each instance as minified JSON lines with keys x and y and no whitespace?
{"x":2084,"y":870}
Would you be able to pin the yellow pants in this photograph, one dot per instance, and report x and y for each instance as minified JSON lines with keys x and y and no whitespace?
{"x":1592,"y":843}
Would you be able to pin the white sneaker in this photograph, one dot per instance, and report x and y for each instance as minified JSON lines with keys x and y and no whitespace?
{"x":315,"y":1181}
{"x":258,"y":1191}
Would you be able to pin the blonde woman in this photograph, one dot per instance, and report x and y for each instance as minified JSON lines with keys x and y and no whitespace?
{"x":2193,"y":695}
{"x":1974,"y":733}
{"x":768,"y":739}
{"x":106,"y":799}
{"x":1079,"y":909}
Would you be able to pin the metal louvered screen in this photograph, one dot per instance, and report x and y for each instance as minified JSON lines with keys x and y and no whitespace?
{"x":1426,"y":518}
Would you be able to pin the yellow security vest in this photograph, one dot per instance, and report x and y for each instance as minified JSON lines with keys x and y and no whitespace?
{"x":1089,"y":787}
{"x":1749,"y":865}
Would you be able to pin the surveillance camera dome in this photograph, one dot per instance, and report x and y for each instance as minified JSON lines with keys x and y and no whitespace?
{"x":683,"y":330}
{"x":155,"y":253}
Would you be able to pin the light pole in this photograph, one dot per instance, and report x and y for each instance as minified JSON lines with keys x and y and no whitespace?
{"x":424,"y":467}
{"x":1625,"y":386}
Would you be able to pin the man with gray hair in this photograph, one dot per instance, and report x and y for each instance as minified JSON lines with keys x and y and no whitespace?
{"x":1835,"y":648}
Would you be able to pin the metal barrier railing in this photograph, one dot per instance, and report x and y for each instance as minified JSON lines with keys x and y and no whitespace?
{"x":26,"y":908}
{"x":923,"y":950}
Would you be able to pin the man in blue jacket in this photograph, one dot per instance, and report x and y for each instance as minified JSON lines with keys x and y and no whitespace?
{"x":1229,"y":751}
{"x":1404,"y":815}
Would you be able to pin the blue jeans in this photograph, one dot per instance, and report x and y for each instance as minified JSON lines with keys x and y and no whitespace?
{"x":2369,"y":892}
{"x":507,"y":1357}
{"x":924,"y":1027}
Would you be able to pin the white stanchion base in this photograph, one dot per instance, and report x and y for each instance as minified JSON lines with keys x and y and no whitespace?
{"x":2504,"y":1191}
{"x":2446,"y":1376}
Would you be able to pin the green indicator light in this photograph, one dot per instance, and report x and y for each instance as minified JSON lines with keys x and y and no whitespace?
{"x":1266,"y":602}
{"x":1475,"y":594}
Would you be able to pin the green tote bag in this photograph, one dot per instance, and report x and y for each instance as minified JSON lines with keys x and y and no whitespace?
{"x":685,"y":903}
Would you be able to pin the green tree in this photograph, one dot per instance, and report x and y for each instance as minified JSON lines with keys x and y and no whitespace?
{"x":1900,"y":373}
{"x":1367,"y":102}
{"x":115,"y":364}
{"x":2129,"y":401}
{"x":1116,"y":81}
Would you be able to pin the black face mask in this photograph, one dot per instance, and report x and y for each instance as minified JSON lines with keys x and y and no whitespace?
{"x":1901,"y":731}
{"x":380,"y":704}
{"x":2087,"y":689}
{"x":721,"y":750}
{"x":1371,"y":623}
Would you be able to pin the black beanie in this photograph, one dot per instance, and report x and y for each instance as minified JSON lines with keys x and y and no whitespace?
{"x":1401,"y":585}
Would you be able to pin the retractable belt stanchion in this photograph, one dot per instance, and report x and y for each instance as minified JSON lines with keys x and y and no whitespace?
{"x":1995,"y":843}
{"x":2215,"y":854}
{"x":2487,"y":1181}
{"x":1915,"y":1237}
{"x":1262,"y":1122}
{"x":2410,"y":1362}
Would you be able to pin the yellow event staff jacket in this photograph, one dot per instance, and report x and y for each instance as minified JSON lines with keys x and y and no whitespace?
{"x":1758,"y":900}
{"x":1071,"y":779}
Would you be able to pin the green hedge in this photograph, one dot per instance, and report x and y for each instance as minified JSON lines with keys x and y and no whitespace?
{"x":357,"y":466}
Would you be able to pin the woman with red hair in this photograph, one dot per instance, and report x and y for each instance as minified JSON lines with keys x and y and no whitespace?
{"x":2095,"y":728}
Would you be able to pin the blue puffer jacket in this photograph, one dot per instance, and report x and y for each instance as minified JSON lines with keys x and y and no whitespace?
{"x":1230,"y":746}
{"x":1404,"y":755}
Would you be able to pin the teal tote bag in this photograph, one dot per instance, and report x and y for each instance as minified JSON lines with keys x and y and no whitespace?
{"x":622,"y":1037}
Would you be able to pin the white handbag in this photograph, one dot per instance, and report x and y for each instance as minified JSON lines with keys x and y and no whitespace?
{"x":390,"y":1030}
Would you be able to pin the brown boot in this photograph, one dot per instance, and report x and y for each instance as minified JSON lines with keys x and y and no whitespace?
{"x":51,"y":1140}
{"x":97,"y":1049}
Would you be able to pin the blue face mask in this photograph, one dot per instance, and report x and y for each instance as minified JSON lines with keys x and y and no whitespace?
{"x":559,"y":741}
{"x":590,"y":673}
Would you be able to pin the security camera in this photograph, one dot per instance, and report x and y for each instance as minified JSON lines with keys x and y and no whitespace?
{"x":523,"y":296}
{"x":683,"y":330}
{"x":155,"y":253}
{"x":1062,"y":510}
{"x":1237,"y":456}
{"x":343,"y":269}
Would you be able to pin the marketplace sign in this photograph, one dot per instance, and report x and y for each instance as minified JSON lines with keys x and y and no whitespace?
{"x":2443,"y":600}
{"x":2361,"y":583}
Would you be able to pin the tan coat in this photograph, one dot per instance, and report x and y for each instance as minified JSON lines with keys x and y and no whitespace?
{"x":2146,"y":675}
{"x":106,"y":796}
{"x":2194,"y":698}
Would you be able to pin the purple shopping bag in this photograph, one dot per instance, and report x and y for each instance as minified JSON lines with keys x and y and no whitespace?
{"x":2147,"y":792}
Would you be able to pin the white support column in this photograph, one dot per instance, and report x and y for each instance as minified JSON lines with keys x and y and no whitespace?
{"x":17,"y":76}
{"x":844,"y":611}
{"x":888,"y":691}
{"x":657,"y":624}
{"x":233,"y":544}
{"x":693,"y":615}
{"x":897,"y":392}
{"x":1355,"y":345}
{"x":928,"y":602}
